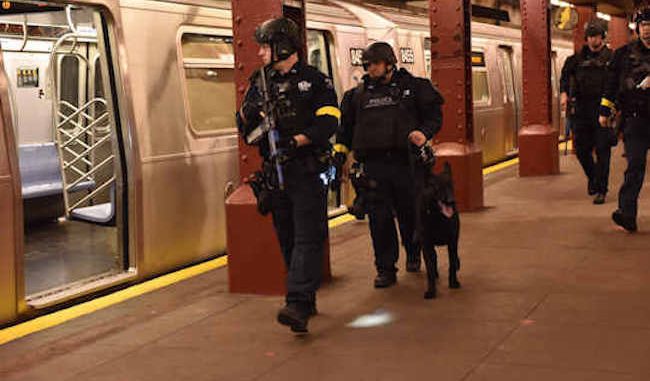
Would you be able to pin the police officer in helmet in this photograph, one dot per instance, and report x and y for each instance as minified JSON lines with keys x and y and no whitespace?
{"x":389,"y":114}
{"x":306,"y":114}
{"x":583,"y":79}
{"x":628,"y":90}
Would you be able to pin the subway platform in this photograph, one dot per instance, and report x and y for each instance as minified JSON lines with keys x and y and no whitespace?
{"x":551,"y":291}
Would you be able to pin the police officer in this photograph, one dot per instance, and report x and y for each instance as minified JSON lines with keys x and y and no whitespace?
{"x":306,"y":114}
{"x":628,"y":90}
{"x":387,"y":113}
{"x":583,"y":79}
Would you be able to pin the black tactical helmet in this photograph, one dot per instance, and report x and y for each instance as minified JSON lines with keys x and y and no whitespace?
{"x":595,"y":28}
{"x":282,"y":34}
{"x":378,"y":52}
{"x":643,"y":14}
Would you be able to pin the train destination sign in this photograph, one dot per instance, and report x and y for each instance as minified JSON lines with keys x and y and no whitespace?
{"x":407,"y":55}
{"x":356,"y":55}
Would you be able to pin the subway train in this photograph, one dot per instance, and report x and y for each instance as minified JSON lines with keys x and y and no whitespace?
{"x":118,"y":145}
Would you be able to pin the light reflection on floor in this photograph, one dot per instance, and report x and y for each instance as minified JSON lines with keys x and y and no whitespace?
{"x":378,"y":318}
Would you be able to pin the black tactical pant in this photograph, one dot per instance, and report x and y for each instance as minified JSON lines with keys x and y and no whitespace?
{"x":590,"y":137}
{"x":300,"y":220}
{"x":393,"y":197}
{"x":637,"y":142}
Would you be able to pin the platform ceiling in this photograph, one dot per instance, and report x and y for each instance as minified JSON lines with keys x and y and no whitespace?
{"x":613,"y":7}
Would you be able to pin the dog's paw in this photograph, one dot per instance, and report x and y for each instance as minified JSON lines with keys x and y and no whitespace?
{"x":430,"y":294}
{"x":454,"y":283}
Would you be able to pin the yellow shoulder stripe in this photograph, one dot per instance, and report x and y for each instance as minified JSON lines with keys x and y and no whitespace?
{"x":329,"y":110}
{"x":607,"y":103}
{"x":341,"y":148}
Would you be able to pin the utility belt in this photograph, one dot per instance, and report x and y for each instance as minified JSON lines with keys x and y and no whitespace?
{"x":391,"y":155}
{"x":265,"y":181}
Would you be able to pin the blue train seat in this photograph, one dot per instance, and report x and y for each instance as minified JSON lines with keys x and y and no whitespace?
{"x":42,"y":185}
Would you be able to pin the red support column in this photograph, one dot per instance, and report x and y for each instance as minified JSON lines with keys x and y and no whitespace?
{"x":255,"y":264}
{"x":451,"y":73}
{"x":538,"y":140}
{"x":619,"y":32}
{"x":586,"y":13}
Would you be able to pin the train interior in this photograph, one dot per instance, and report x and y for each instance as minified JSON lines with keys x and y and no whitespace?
{"x":69,"y":158}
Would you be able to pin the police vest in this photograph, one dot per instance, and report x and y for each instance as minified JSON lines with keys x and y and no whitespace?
{"x":591,"y":75}
{"x":637,"y":68}
{"x":384,"y":117}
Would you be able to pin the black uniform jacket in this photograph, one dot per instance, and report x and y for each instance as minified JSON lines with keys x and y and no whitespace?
{"x":420,"y":102}
{"x":584,"y":76}
{"x":305,"y":103}
{"x":630,"y":65}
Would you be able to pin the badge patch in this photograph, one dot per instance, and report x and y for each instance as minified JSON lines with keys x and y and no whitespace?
{"x":304,"y":86}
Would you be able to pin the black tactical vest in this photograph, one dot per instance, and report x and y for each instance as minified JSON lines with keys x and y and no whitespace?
{"x":591,"y":74}
{"x":384,"y":118}
{"x":636,"y":69}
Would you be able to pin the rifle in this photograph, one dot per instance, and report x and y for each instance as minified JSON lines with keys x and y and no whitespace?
{"x":270,"y":128}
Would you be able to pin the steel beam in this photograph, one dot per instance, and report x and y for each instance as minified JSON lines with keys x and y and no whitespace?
{"x":619,"y":32}
{"x":255,"y":264}
{"x":538,"y":140}
{"x":586,"y":13}
{"x":451,"y":73}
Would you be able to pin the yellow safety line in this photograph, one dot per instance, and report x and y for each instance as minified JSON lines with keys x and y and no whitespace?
{"x":62,"y":316}
{"x":500,"y":166}
{"x":47,"y":321}
{"x":514,"y":161}
{"x":340,"y":220}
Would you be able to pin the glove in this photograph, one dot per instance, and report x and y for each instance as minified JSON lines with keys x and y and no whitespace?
{"x":287,"y":144}
{"x":339,"y":159}
{"x":424,"y":155}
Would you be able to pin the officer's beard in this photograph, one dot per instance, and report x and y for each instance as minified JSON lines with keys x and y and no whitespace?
{"x":386,"y":76}
{"x":597,"y":47}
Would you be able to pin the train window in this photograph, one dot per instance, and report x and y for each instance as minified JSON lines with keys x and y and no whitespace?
{"x":98,"y":91}
{"x":318,"y":52}
{"x":69,"y":80}
{"x":208,"y":68}
{"x":507,"y":73}
{"x":427,"y":56}
{"x":480,"y":86}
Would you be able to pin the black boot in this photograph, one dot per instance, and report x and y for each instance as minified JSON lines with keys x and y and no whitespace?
{"x":385,"y":279}
{"x":626,"y":222}
{"x":295,"y":316}
{"x":599,"y":199}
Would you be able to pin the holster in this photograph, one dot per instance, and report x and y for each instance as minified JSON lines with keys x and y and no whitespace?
{"x":261,"y":189}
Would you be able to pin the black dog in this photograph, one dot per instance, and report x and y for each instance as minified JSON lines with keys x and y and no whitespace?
{"x":438,"y":224}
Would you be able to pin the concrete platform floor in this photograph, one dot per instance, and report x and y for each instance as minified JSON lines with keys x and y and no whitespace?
{"x":551,"y":291}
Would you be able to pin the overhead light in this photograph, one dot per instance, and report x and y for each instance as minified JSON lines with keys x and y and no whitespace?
{"x":632,"y":26}
{"x":560,"y":3}
{"x":603,"y":16}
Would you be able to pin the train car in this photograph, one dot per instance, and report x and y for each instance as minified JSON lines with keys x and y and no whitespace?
{"x":118,"y":146}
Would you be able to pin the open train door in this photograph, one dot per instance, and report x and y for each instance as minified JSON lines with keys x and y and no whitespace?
{"x":11,"y":219}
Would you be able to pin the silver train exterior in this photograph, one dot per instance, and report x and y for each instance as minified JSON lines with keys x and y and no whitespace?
{"x":152,"y":81}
